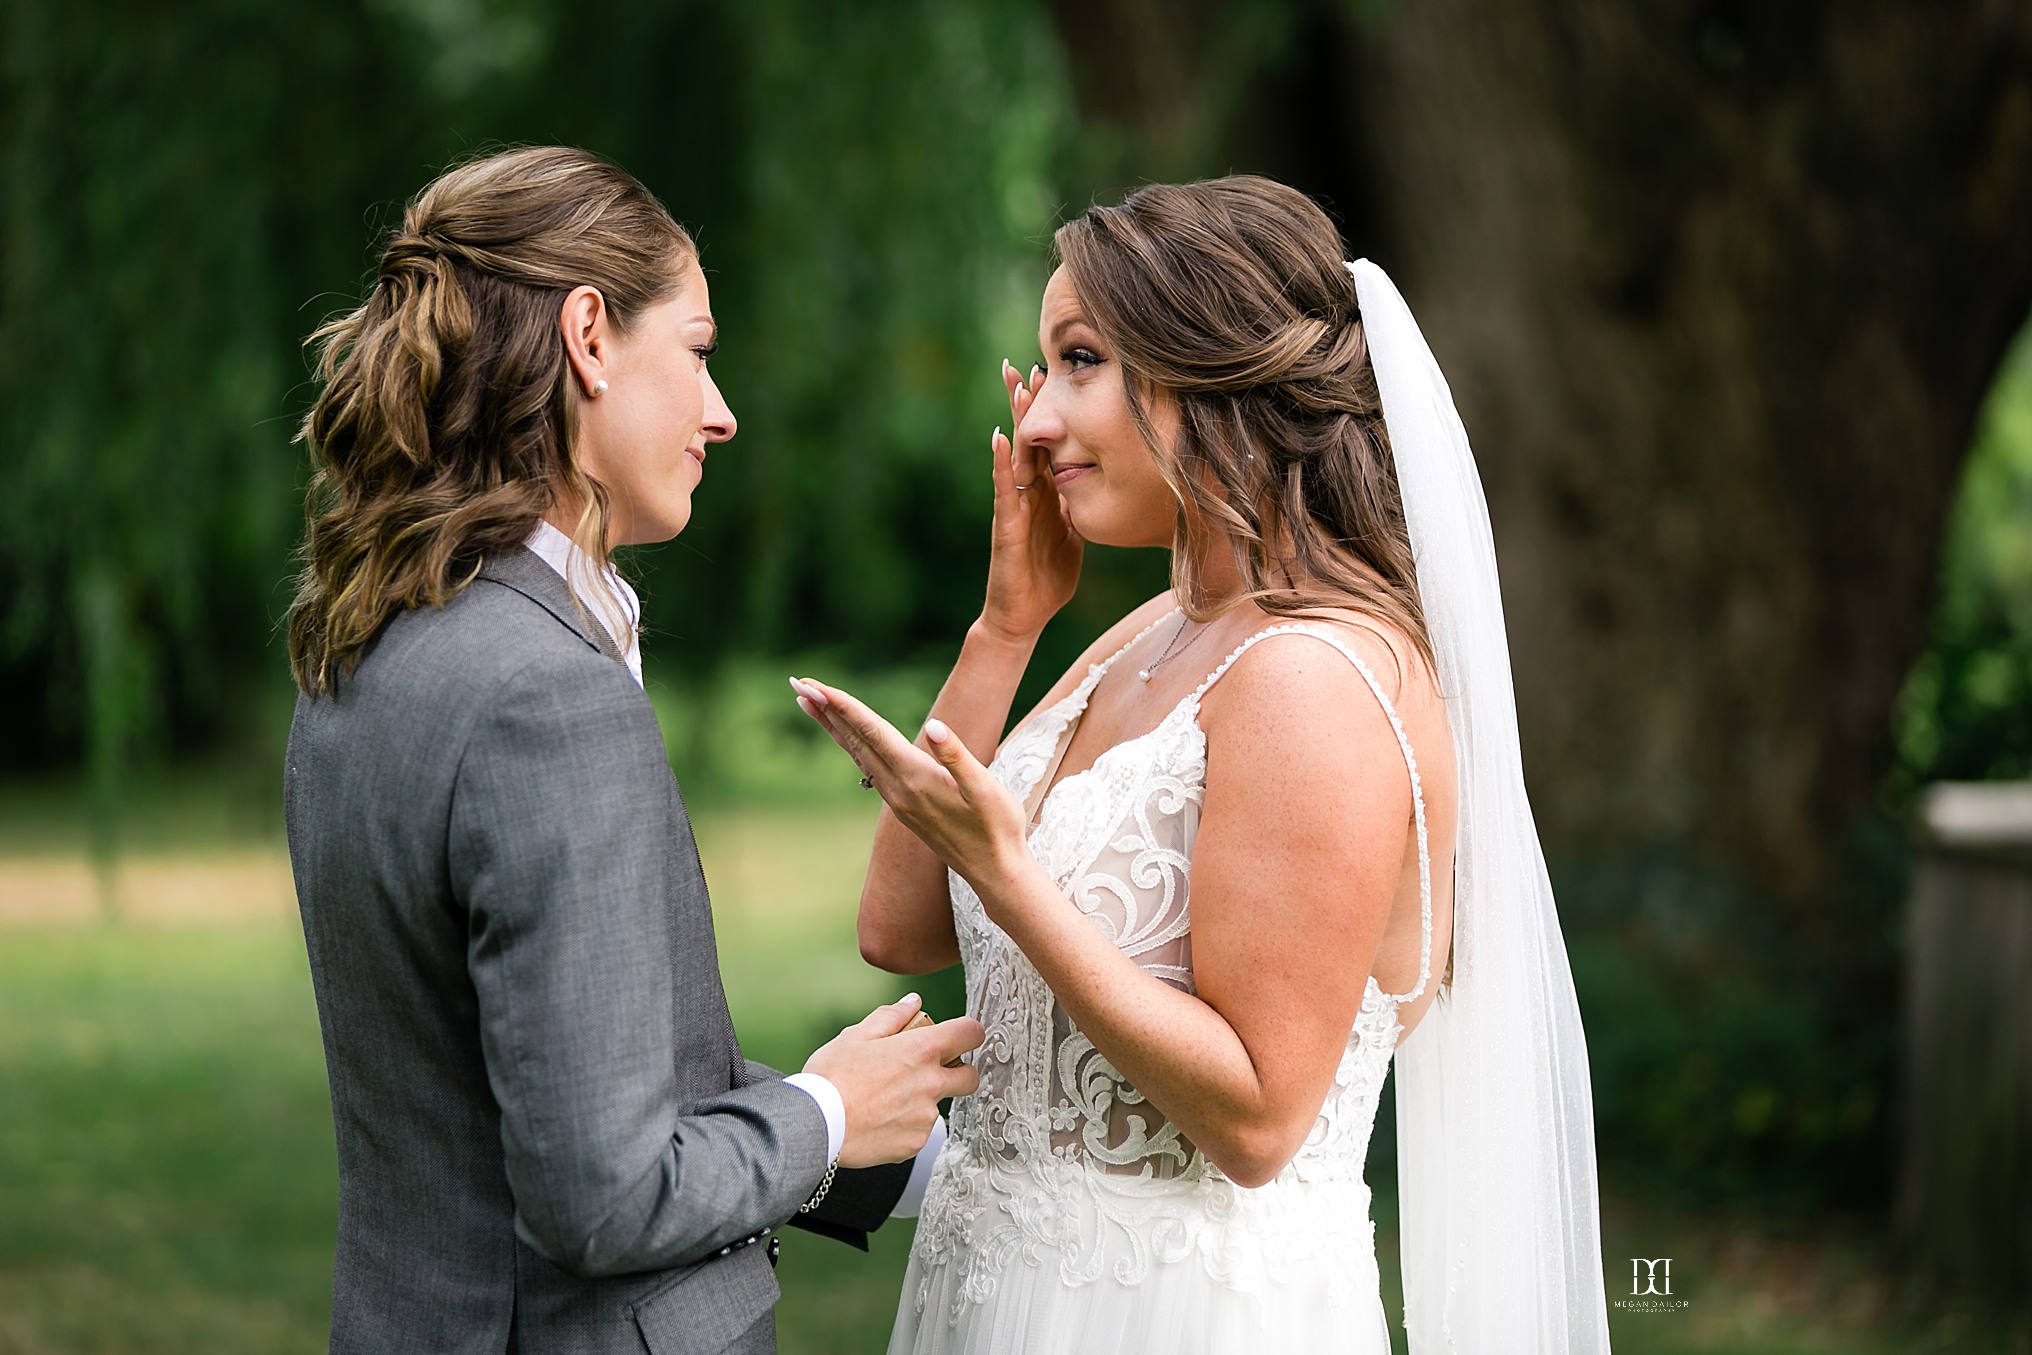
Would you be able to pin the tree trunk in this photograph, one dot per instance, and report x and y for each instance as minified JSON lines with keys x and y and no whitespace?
{"x":1719,"y":289}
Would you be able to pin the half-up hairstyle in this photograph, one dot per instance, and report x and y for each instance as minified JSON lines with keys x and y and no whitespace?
{"x":445,"y":424}
{"x":1230,"y":297}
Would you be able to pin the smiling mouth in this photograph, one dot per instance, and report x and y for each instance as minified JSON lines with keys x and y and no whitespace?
{"x":1069,"y":470}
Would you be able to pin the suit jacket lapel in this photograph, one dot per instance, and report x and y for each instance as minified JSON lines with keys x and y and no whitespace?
{"x":524,"y":571}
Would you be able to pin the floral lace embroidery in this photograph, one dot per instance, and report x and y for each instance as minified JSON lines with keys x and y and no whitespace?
{"x":1055,"y":1136}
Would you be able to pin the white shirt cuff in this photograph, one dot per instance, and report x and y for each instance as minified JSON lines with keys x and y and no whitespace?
{"x":830,"y":1104}
{"x":912,"y":1198}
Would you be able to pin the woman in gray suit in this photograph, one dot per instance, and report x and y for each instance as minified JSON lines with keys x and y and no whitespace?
{"x":548,"y":1138}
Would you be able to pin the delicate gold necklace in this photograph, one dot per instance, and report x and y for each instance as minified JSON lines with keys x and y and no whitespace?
{"x":1162,"y":659}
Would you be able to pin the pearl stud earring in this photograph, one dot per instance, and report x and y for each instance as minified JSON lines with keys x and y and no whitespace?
{"x":600,"y":387}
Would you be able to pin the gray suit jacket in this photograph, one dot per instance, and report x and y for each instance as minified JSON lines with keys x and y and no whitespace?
{"x":548,"y":1138}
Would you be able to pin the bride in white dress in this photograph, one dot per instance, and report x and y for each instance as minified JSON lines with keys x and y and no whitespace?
{"x":1269,"y":828}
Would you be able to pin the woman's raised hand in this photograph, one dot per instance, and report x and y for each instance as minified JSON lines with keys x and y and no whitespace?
{"x":1034,"y":562}
{"x":945,"y":796}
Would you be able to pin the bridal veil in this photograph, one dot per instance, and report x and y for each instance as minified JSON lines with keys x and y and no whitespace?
{"x":1499,"y":1213}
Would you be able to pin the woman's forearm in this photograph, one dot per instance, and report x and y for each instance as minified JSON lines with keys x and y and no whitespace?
{"x":975,"y":701}
{"x":905,"y":920}
{"x":1175,"y":1049}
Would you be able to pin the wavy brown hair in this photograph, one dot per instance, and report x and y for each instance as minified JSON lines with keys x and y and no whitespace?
{"x":445,"y":424}
{"x":1231,"y":299}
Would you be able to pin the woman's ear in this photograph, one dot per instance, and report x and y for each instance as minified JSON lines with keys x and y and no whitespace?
{"x":583,"y":322}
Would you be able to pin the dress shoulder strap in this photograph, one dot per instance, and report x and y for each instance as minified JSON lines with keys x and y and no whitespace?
{"x":1410,"y":763}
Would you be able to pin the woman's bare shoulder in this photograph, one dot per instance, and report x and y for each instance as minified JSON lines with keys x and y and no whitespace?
{"x":1392,"y":655}
{"x":1296,"y":741}
{"x":1290,"y":672}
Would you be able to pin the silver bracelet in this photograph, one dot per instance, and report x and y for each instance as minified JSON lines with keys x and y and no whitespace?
{"x":823,"y":1186}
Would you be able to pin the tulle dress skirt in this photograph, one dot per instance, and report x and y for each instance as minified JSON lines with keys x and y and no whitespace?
{"x":1203,"y":1282}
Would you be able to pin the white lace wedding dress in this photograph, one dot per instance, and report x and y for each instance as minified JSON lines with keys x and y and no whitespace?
{"x":1066,"y":1214}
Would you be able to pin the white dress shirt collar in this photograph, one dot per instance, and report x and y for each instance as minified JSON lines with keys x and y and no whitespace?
{"x":600,"y":590}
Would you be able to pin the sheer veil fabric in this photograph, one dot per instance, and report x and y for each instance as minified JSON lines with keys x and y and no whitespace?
{"x":1501,"y":1245}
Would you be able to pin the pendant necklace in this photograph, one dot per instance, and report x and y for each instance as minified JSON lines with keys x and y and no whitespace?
{"x":1144,"y":673}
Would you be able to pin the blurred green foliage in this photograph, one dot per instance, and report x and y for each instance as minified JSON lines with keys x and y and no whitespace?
{"x":1731,"y":1059}
{"x":173,"y":193}
{"x":1964,"y":712}
{"x":740,"y":739}
{"x":187,"y":192}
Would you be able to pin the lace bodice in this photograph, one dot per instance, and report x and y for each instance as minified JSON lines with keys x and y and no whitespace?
{"x":1118,"y":838}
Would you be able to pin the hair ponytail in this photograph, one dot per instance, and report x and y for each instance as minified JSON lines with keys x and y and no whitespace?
{"x":444,"y":426}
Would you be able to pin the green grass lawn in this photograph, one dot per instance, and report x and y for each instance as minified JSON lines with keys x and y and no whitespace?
{"x":166,"y":1173}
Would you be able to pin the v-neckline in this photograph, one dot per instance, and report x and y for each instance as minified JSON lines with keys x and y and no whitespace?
{"x":1084,"y":694}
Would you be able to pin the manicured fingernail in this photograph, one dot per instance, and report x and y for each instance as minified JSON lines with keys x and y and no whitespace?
{"x":804,"y":704}
{"x":810,"y":689}
{"x":909,"y":998}
{"x":936,"y":731}
{"x":1035,"y":372}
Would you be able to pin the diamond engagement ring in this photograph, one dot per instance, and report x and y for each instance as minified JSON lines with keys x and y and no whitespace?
{"x":868,"y":782}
